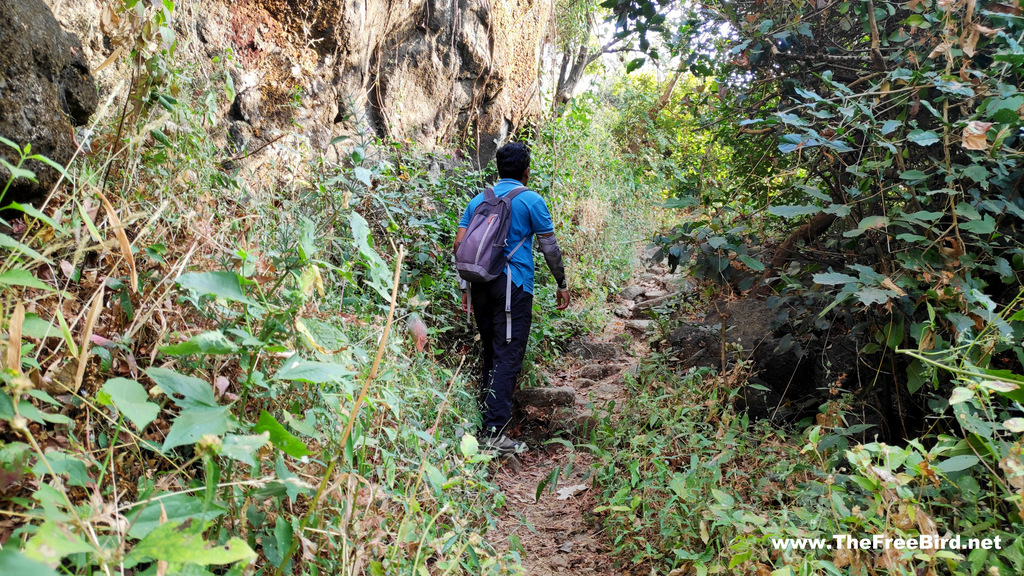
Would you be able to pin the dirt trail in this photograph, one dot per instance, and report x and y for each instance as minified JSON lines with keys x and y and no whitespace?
{"x":557,"y":533}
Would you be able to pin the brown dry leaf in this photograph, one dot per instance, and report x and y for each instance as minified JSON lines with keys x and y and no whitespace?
{"x":926,"y":526}
{"x":890,"y":285}
{"x":308,"y":549}
{"x":110,"y":59}
{"x":986,"y":31}
{"x":109,"y":20}
{"x":14,"y":338}
{"x":974,"y":135}
{"x":970,"y":41}
{"x":942,"y":48}
{"x":122,"y":239}
{"x":90,"y":324}
{"x":948,"y":5}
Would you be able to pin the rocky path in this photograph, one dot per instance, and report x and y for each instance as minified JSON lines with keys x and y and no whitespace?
{"x":556,"y":533}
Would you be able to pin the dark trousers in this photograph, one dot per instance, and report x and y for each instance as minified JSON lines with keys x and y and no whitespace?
{"x":502,"y":359}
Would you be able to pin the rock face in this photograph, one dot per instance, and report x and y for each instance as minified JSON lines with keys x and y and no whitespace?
{"x":45,"y":90}
{"x":440,"y":73}
{"x":426,"y":69}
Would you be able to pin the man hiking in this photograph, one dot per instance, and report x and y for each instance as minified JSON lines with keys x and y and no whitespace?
{"x":503,"y":306}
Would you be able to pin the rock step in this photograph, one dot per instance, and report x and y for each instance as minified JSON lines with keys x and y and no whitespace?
{"x":546,"y":397}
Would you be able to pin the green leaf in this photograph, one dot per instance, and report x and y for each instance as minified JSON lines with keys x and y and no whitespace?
{"x":923,"y":137}
{"x":243,"y":448}
{"x":754,"y":264}
{"x":35,"y":213}
{"x":17,"y":172}
{"x":160,"y":137}
{"x":957,"y":463}
{"x":833,"y":278}
{"x":14,"y":562}
{"x":890,"y":126}
{"x":379,"y":274}
{"x":53,"y":542}
{"x":283,"y":534}
{"x":363,"y":175}
{"x":195,"y":422}
{"x":182,"y":543}
{"x":195,"y":392}
{"x":977,"y":172}
{"x":12,"y":244}
{"x":913,"y":175}
{"x":280,"y":436}
{"x":219,"y":284}
{"x":132,"y":400}
{"x":794,"y":211}
{"x":984,"y":226}
{"x":62,"y":463}
{"x":213,"y":343}
{"x":20,"y":277}
{"x":960,"y":394}
{"x":469,"y":445}
{"x":179,"y":507}
{"x":634,"y":64}
{"x":313,"y":372}
{"x":36,"y":327}
{"x":867,"y":224}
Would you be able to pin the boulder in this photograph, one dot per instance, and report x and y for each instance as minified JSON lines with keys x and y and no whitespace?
{"x":595,"y":350}
{"x":624,"y":310}
{"x":638,"y":311}
{"x":45,"y":90}
{"x":546,"y":397}
{"x":597,"y":371}
{"x":641,"y":326}
{"x":632,"y":292}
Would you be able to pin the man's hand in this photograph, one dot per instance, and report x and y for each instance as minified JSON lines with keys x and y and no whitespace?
{"x":465,"y":302}
{"x":562,"y":299}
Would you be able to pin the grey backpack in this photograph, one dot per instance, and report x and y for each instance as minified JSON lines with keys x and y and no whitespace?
{"x":481,"y":256}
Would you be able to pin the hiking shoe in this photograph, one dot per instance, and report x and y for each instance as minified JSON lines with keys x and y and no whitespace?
{"x":504,"y":445}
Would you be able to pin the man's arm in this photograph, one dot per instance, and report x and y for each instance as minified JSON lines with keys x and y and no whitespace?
{"x":458,"y":239}
{"x":462,"y":283}
{"x":553,"y":258}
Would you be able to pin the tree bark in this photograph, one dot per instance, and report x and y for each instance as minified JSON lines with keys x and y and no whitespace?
{"x":809,"y":232}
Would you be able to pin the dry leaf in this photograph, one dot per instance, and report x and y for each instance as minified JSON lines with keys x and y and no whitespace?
{"x":109,"y":20}
{"x":110,"y":59}
{"x":90,"y":323}
{"x":986,"y":31}
{"x":567,"y":492}
{"x":14,"y":338}
{"x":890,"y":285}
{"x":122,"y":239}
{"x":974,"y":135}
{"x":939,"y":50}
{"x":970,"y":42}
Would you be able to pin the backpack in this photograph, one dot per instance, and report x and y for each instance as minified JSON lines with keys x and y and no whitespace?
{"x":481,"y":256}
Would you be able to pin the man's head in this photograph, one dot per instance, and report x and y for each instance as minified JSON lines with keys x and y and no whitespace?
{"x":514,"y":161}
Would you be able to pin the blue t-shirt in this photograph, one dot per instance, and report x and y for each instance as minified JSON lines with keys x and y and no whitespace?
{"x":529,"y":216}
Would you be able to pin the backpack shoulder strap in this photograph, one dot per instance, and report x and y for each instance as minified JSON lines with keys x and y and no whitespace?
{"x":489,"y":194}
{"x":515,"y":192}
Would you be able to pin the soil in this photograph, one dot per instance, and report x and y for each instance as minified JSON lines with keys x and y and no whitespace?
{"x":557,"y":533}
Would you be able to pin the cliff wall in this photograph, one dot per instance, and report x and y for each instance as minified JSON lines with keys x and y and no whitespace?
{"x":436,"y":72}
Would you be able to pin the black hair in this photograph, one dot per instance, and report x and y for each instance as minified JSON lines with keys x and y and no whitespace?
{"x":513,"y":159}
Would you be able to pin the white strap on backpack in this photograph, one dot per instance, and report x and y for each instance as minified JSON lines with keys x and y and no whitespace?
{"x":508,"y":291}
